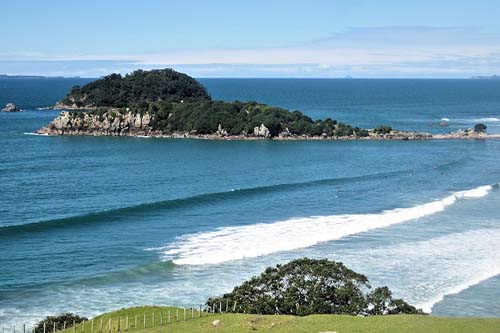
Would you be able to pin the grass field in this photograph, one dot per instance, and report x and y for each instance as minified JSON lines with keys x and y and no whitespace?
{"x":236,"y":323}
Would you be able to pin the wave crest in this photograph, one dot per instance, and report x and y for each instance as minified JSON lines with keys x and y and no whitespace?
{"x":234,"y":243}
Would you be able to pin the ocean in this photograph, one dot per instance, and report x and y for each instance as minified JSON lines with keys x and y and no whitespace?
{"x":92,"y":224}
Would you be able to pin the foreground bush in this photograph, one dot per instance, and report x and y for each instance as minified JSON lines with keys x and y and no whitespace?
{"x":307,"y":286}
{"x":59,"y":321}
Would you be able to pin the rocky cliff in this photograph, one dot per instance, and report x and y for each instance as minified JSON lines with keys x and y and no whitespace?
{"x":109,"y":123}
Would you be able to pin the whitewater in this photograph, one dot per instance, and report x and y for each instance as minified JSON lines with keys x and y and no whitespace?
{"x":233,"y":243}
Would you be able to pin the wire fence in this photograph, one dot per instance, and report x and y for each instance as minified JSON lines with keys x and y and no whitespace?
{"x":125,"y":322}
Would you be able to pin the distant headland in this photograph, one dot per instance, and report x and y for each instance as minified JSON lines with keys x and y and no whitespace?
{"x":6,"y":76}
{"x":168,"y":104}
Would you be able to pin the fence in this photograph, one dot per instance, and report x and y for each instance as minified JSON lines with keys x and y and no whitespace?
{"x":125,"y":322}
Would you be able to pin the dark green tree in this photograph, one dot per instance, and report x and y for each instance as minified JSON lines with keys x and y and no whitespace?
{"x":480,"y":128}
{"x":59,"y":321}
{"x":308,"y":286}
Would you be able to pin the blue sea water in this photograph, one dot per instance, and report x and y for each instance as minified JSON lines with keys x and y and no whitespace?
{"x":91,"y":224}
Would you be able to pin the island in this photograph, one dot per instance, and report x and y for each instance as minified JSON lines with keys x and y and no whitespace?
{"x":167,"y":104}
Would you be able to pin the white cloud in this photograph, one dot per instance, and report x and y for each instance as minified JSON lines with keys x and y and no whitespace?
{"x":379,"y":51}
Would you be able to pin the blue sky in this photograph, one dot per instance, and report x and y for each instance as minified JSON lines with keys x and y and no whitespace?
{"x":273,"y":38}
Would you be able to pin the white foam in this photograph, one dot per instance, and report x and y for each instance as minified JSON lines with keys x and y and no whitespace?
{"x":424,"y":272}
{"x":489,"y":119}
{"x":36,"y":134}
{"x":234,"y":243}
{"x":445,"y":119}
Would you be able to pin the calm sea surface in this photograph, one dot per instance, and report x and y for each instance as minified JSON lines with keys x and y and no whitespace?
{"x":91,"y":224}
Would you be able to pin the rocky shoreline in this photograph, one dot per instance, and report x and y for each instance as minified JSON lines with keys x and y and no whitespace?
{"x":114,"y":123}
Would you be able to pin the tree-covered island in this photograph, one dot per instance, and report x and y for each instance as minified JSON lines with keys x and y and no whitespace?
{"x":166,"y":103}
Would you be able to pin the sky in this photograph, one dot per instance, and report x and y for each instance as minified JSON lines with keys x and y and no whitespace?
{"x":253,"y":38}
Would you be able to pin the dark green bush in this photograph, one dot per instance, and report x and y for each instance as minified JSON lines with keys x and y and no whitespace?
{"x":480,"y":128}
{"x":59,"y":321}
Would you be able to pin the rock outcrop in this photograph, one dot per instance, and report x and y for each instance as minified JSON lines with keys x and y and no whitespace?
{"x":10,"y":107}
{"x":109,"y":123}
{"x":262,"y":131}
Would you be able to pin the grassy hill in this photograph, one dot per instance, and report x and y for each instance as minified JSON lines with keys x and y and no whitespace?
{"x":236,"y":323}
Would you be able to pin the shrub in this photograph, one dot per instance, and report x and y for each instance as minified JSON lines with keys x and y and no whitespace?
{"x":382,"y":129}
{"x":59,"y":321}
{"x":480,"y":128}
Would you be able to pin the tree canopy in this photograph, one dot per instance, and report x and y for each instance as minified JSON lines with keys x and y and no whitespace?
{"x":480,"y":128}
{"x":308,"y":286}
{"x":139,"y":87}
{"x":60,"y":322}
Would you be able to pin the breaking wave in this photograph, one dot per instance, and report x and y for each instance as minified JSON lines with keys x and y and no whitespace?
{"x":240,"y":242}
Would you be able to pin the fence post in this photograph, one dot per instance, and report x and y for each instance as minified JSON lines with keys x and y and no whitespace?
{"x":192,"y":312}
{"x":153,"y":319}
{"x":177,"y":315}
{"x":184,"y":314}
{"x":227,"y":304}
{"x":135,"y":323}
{"x":44,"y":327}
{"x":110,"y":322}
{"x":234,"y":306}
{"x":74,"y":327}
{"x":169,"y":316}
{"x":92,"y":326}
{"x":118,"y":323}
{"x":64,"y":326}
{"x":100,"y":326}
{"x":161,"y":318}
{"x":126,"y":324}
{"x":144,"y":324}
{"x":199,"y":314}
{"x":83,"y":326}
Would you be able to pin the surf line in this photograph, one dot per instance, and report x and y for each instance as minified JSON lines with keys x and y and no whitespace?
{"x":250,"y":241}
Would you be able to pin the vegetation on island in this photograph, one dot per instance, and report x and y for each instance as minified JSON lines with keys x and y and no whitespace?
{"x":178,"y":103}
{"x":307,"y":286}
{"x":480,"y":128}
{"x":137,"y":89}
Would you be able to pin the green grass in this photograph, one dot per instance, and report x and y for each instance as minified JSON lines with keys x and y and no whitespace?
{"x":236,"y":323}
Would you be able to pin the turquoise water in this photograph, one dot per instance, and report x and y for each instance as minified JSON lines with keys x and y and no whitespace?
{"x":90,"y":224}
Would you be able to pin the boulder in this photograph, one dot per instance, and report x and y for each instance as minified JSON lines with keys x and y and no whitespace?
{"x":10,"y":107}
{"x":262,"y":131}
{"x":285,"y":133}
{"x":221,"y":131}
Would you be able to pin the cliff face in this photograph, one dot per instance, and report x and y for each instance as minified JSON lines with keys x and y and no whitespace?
{"x":109,"y":123}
